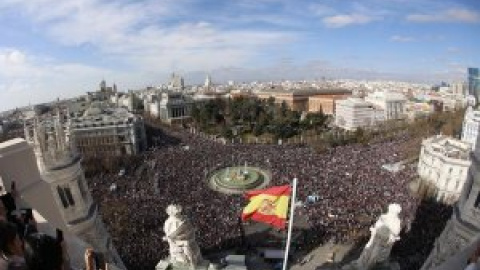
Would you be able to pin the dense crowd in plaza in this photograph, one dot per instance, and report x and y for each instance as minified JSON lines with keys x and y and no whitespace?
{"x":348,"y":182}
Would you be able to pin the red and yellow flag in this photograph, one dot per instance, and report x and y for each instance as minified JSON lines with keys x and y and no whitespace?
{"x":268,"y":205}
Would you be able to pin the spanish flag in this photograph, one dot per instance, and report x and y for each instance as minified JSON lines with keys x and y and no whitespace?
{"x":268,"y":205}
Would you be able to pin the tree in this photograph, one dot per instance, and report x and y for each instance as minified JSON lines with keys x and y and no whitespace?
{"x":195,"y":113}
{"x":259,"y":129}
{"x":271,"y":102}
{"x":227,"y":132}
{"x":359,"y":135}
{"x":283,"y":109}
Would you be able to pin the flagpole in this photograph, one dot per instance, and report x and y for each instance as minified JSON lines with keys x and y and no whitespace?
{"x":290,"y":223}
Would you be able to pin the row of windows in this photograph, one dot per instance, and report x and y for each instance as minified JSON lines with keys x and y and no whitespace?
{"x":110,"y":132}
{"x":102,"y":140}
{"x":101,"y":150}
{"x":434,"y":160}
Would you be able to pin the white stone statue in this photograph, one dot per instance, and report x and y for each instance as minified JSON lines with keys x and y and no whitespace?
{"x":384,"y":234}
{"x":180,"y":235}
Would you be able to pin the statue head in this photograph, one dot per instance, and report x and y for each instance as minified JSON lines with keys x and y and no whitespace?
{"x":394,"y":209}
{"x":174,"y":210}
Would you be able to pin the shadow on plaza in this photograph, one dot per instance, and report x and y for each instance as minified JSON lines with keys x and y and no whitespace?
{"x":415,"y":245}
{"x":158,"y":138}
{"x":410,"y":252}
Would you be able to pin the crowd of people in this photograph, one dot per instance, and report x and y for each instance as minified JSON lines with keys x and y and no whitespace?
{"x":23,"y":247}
{"x":350,"y":187}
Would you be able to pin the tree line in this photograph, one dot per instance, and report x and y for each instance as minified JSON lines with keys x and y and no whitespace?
{"x":240,"y":116}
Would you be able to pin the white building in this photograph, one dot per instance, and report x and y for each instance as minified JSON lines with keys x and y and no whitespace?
{"x":18,"y":163}
{"x":104,"y":93}
{"x":392,"y":103}
{"x":170,"y":107}
{"x":461,"y":235}
{"x":105,"y":131}
{"x":354,"y":112}
{"x":176,"y":83}
{"x":208,"y":82}
{"x":153,"y":108}
{"x":52,"y":181}
{"x":458,"y":88}
{"x":443,"y":165}
{"x":471,"y":126}
{"x":175,"y":107}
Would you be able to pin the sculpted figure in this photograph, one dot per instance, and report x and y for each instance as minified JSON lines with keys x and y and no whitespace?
{"x":384,"y":234}
{"x":180,"y":235}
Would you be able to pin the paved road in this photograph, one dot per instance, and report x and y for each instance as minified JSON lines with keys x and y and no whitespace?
{"x":328,"y":255}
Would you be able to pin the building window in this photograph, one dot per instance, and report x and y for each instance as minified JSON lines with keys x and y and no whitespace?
{"x":66,"y":196}
{"x":62,"y":196}
{"x":68,"y":192}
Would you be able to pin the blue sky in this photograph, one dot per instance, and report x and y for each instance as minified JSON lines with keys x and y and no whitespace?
{"x":62,"y":48}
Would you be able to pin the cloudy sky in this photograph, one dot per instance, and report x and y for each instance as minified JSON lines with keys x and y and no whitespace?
{"x":62,"y":48}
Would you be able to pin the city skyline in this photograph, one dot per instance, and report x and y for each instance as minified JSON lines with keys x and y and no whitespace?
{"x":53,"y":48}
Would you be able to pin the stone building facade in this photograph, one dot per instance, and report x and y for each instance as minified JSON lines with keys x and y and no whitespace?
{"x":464,"y":226}
{"x":392,"y":104}
{"x":471,"y":126}
{"x":325,"y":103}
{"x":354,"y":112}
{"x":299,"y":100}
{"x":109,"y":132}
{"x":442,"y":166}
{"x":171,"y":107}
{"x":65,"y":198}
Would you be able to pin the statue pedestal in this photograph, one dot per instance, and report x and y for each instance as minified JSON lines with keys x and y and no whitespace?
{"x":235,"y":262}
{"x":167,"y":265}
{"x":232,"y":262}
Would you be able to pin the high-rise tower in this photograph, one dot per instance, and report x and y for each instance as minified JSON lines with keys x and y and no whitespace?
{"x":59,"y":166}
{"x":474,"y":83}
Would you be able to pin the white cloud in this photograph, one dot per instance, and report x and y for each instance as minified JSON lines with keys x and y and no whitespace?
{"x":343,"y":20}
{"x":141,"y":35}
{"x":28,"y":78}
{"x":138,"y":42}
{"x":398,"y":38}
{"x":11,"y":56}
{"x":13,"y":63}
{"x":146,"y":38}
{"x":449,"y":15}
